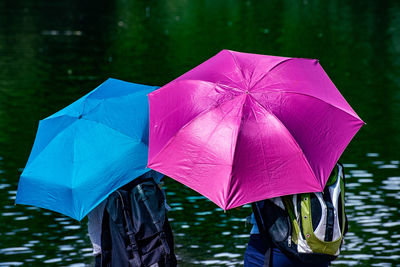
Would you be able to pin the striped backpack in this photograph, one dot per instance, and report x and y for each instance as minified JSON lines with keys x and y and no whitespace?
{"x":306,"y":227}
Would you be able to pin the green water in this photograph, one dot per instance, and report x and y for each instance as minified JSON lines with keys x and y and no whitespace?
{"x":53,"y":52}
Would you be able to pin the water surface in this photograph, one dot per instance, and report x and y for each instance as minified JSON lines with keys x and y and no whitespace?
{"x":53,"y":52}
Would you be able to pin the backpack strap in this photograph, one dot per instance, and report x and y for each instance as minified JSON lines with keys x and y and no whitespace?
{"x":341,"y":173}
{"x":136,"y":261}
{"x":156,"y":223}
{"x":105,"y":239}
{"x":330,"y":213}
{"x":257,"y":211}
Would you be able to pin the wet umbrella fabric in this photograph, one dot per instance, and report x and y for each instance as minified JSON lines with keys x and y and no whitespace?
{"x":243,"y":127}
{"x":87,"y":150}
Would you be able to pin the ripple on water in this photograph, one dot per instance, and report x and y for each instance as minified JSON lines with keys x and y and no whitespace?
{"x":227,"y":255}
{"x":194,"y":198}
{"x":391,"y":224}
{"x":71,"y":237}
{"x":11,"y":263}
{"x":230,"y":262}
{"x":359,"y":256}
{"x":60,"y":219}
{"x":72,"y":227}
{"x":39,"y":256}
{"x":21,"y":218}
{"x":377,"y":248}
{"x":6,"y":214}
{"x":203,"y":213}
{"x":352,"y":185}
{"x":15,"y":250}
{"x":382,"y":264}
{"x":66,"y":248}
{"x":32,"y":208}
{"x":354,"y":203}
{"x":242,"y":236}
{"x":363,"y":181}
{"x":2,"y":186}
{"x":350,"y":165}
{"x":362,"y":174}
{"x":53,"y":260}
{"x":391,"y":184}
{"x":388,"y":166}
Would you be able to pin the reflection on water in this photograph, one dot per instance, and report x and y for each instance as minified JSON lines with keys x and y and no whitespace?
{"x":53,"y":53}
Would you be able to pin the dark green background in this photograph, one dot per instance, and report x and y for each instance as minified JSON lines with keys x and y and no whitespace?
{"x":53,"y":52}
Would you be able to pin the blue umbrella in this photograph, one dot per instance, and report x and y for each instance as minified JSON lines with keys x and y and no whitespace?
{"x":87,"y":150}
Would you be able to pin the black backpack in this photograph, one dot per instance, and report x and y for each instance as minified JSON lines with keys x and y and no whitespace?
{"x":307,"y":227}
{"x":135,"y":227}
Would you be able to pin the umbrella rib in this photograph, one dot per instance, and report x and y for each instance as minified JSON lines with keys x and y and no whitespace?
{"x":294,"y":141}
{"x":269,"y":71}
{"x":258,"y":125}
{"x":223,"y":86}
{"x":73,"y":124}
{"x":184,"y":126}
{"x":170,"y":113}
{"x":213,"y":131}
{"x":55,"y":136}
{"x":135,"y":139}
{"x":209,"y":137}
{"x":237,"y":65}
{"x":132,"y":93}
{"x":317,"y":98}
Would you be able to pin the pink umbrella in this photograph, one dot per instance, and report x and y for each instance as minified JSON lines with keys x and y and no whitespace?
{"x":243,"y":127}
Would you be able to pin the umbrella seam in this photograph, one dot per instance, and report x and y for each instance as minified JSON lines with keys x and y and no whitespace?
{"x":262,"y":147}
{"x":294,"y":141}
{"x":234,"y":153}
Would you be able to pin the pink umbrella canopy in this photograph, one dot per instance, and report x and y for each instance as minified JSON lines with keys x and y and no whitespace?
{"x":242,"y":127}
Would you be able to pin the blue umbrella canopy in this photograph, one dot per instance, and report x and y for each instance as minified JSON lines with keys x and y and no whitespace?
{"x":87,"y":150}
